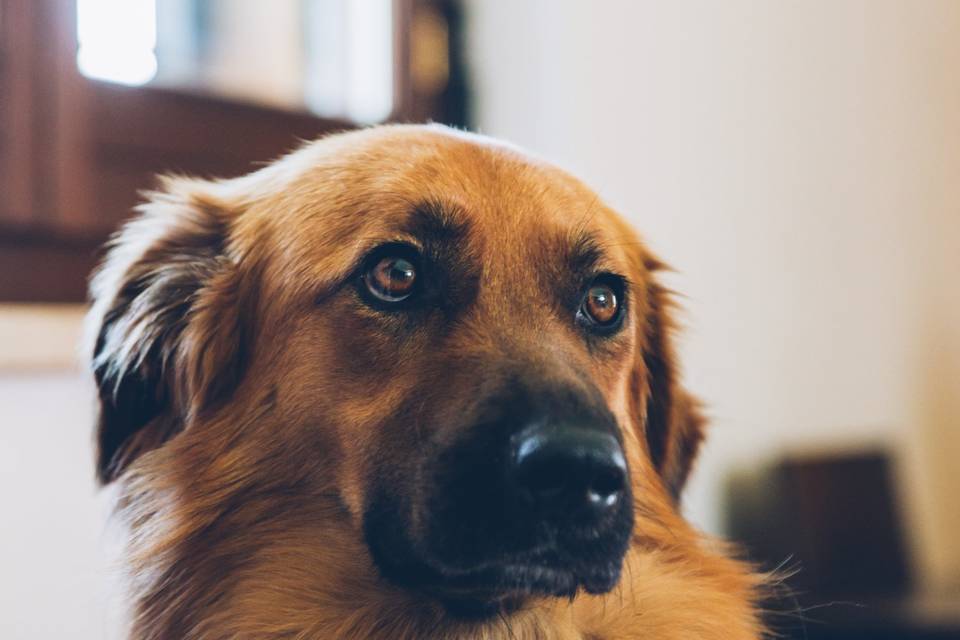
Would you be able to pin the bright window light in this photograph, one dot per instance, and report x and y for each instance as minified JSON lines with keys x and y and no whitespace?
{"x":369,"y":27}
{"x":117,"y":40}
{"x":349,"y":58}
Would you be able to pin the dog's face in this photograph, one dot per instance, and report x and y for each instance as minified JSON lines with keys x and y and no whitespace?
{"x":459,"y":346}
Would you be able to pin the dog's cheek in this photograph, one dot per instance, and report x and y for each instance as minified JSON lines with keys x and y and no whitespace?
{"x":341,"y":385}
{"x":619,"y":401}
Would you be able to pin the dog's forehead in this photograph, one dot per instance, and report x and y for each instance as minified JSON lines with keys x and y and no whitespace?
{"x":374,"y":179}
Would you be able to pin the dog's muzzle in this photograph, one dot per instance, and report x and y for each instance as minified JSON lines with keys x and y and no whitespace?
{"x":532,"y":498}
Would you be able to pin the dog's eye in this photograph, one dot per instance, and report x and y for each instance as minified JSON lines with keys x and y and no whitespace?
{"x":391,"y":277}
{"x":602,"y":304}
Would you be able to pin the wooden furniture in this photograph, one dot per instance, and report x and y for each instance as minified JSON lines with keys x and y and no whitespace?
{"x":75,"y":152}
{"x":831,"y":523}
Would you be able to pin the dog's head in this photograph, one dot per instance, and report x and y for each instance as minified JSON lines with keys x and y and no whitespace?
{"x":459,"y":345}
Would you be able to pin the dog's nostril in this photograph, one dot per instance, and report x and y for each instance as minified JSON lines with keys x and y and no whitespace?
{"x":569,"y":470}
{"x":606,"y":487}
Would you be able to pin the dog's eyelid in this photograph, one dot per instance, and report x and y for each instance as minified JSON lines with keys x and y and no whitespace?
{"x":367,"y":248}
{"x":607,"y":276}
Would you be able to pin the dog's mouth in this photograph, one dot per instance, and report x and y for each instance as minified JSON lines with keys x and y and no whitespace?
{"x":536,"y":576}
{"x":502,"y":588}
{"x":505,"y":587}
{"x":502,"y":583}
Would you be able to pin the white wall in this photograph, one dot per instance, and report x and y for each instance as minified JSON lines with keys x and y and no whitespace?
{"x":53,"y":580}
{"x":53,"y":584}
{"x":799,"y":163}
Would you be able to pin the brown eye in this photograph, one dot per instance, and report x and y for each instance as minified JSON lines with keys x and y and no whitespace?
{"x":391,"y":278}
{"x":601,"y":305}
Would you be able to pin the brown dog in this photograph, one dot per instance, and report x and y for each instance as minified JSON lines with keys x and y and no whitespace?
{"x":403,"y":383}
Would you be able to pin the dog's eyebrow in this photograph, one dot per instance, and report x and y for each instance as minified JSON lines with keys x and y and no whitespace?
{"x":435,"y":223}
{"x":584,"y":253}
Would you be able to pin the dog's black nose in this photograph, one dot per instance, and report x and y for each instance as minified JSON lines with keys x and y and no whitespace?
{"x":568,"y":471}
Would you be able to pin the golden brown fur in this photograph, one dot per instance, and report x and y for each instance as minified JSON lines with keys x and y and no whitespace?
{"x":243,"y":395}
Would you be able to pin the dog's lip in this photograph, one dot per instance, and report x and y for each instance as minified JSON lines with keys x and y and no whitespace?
{"x":505,"y":588}
{"x":550,"y":569}
{"x":497,"y":582}
{"x":502,"y":589}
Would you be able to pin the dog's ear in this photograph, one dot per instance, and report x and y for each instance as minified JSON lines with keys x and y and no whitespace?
{"x":166,"y":324}
{"x":671,"y":419}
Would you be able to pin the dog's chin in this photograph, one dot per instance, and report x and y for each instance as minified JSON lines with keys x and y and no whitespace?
{"x":502,"y":588}
{"x":496,"y":586}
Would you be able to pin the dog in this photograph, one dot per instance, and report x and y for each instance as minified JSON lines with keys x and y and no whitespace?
{"x":405,"y":382}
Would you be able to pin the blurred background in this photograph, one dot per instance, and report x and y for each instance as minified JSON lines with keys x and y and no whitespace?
{"x":797,"y":162}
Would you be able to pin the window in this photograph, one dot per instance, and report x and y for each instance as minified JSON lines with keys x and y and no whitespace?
{"x":332,"y":57}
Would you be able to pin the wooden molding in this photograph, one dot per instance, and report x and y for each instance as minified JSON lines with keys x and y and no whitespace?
{"x":46,"y":268}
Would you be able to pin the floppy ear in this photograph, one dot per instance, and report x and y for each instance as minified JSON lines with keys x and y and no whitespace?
{"x":673,"y":424}
{"x":165,"y":323}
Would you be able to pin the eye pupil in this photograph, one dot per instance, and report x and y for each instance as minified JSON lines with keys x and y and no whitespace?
{"x":399,"y":273}
{"x":392,"y":278}
{"x":601,"y":304}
